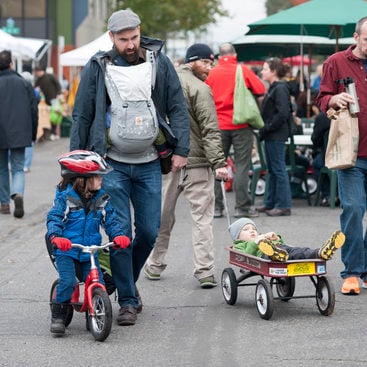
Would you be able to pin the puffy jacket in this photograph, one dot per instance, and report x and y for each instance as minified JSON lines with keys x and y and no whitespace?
{"x":68,"y":218}
{"x":18,"y":112}
{"x":205,"y":138}
{"x":276,"y":112}
{"x":89,"y":114}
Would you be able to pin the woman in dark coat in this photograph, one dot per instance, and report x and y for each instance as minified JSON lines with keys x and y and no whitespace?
{"x":276,"y":114}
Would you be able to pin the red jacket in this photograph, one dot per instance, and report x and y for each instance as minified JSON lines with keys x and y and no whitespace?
{"x":221,"y":80}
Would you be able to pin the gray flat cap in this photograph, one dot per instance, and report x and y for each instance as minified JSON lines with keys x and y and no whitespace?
{"x":123,"y":19}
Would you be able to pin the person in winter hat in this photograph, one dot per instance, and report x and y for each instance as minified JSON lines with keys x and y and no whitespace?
{"x":80,"y":208}
{"x":270,"y":245}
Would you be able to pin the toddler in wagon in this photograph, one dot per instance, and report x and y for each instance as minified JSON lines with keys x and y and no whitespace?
{"x":270,"y":245}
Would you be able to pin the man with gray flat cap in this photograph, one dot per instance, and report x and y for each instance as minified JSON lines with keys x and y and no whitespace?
{"x":124,"y":99}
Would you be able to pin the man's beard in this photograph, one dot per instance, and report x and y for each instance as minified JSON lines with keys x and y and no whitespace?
{"x":131,"y":57}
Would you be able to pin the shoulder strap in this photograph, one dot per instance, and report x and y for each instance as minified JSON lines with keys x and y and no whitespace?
{"x":152,"y":57}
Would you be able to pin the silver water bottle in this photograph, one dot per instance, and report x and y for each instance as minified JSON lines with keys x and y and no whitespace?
{"x":351,"y":89}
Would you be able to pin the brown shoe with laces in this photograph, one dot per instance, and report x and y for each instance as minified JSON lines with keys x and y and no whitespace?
{"x":5,"y":209}
{"x":277,"y":212}
{"x":127,"y":316}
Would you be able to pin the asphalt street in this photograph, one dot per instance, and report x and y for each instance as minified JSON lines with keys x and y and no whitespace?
{"x":181,"y":324}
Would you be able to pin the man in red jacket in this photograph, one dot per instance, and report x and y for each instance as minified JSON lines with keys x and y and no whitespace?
{"x":222,"y":82}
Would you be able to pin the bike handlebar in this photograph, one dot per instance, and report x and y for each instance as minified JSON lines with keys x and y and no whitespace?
{"x":92,"y":248}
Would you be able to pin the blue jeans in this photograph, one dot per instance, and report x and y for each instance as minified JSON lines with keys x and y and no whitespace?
{"x":67,"y":276}
{"x":140,"y":184}
{"x":352,"y":183}
{"x":279,"y":190}
{"x":28,"y":156}
{"x":16,"y":159}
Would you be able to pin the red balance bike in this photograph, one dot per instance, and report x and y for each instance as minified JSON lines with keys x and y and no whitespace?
{"x":90,"y":297}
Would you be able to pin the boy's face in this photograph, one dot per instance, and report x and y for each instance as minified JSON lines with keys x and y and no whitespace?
{"x":94,"y":183}
{"x":248,"y":233}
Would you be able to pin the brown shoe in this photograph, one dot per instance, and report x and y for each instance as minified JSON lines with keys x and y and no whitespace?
{"x":127,"y":316}
{"x":277,"y":212}
{"x":140,"y":302}
{"x":5,"y":209}
{"x":263,"y":209}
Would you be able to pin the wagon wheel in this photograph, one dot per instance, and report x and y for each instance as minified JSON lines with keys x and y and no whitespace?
{"x":264,"y":299}
{"x":325,"y":296}
{"x":285,"y":288}
{"x":229,"y":286}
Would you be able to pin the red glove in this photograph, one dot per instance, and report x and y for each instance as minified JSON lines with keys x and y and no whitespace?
{"x":121,"y":241}
{"x":62,"y":243}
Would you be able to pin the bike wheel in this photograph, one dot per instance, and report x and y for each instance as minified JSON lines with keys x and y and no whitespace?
{"x":100,"y":324}
{"x":264,"y":299}
{"x":229,"y":286}
{"x":325,"y":296}
{"x":70,"y":309}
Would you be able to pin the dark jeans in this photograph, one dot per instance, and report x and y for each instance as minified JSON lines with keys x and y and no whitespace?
{"x":140,"y":185}
{"x":279,"y":191}
{"x":318,"y":163}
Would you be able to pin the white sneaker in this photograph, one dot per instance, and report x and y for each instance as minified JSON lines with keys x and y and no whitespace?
{"x":364,"y":284}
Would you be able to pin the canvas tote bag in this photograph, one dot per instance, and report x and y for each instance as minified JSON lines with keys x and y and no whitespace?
{"x":245,"y":109}
{"x":342,"y":147}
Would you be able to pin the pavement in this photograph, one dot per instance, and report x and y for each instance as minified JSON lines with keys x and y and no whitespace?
{"x":181,"y":324}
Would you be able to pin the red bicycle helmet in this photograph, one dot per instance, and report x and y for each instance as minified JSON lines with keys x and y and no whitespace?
{"x":83,"y":163}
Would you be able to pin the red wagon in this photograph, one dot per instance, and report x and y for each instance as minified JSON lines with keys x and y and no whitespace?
{"x":280,"y":275}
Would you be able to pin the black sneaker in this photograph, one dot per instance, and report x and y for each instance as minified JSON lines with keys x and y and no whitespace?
{"x":19,"y":209}
{"x":273,"y":251}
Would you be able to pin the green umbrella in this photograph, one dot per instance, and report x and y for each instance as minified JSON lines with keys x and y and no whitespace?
{"x":260,"y":47}
{"x":325,"y":18}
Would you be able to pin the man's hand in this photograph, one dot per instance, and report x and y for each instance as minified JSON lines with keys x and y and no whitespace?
{"x":178,"y":162}
{"x":221,"y":173}
{"x":340,"y":100}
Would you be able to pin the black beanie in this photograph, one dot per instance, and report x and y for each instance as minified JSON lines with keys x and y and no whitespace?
{"x":199,"y":51}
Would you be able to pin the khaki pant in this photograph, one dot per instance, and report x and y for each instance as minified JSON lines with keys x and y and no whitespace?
{"x":197,"y":185}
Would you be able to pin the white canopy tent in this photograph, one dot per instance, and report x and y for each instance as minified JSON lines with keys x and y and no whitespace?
{"x":8,"y":42}
{"x":81,"y":55}
{"x":24,"y":49}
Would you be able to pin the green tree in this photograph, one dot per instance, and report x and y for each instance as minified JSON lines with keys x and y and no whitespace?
{"x":168,"y":18}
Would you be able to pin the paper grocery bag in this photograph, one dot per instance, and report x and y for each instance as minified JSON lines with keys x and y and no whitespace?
{"x":342,"y":147}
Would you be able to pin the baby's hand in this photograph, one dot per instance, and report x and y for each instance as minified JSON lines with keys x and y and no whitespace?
{"x":272,"y":236}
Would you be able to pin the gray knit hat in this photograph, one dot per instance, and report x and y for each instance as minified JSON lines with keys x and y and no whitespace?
{"x":123,"y":19}
{"x":236,"y":227}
